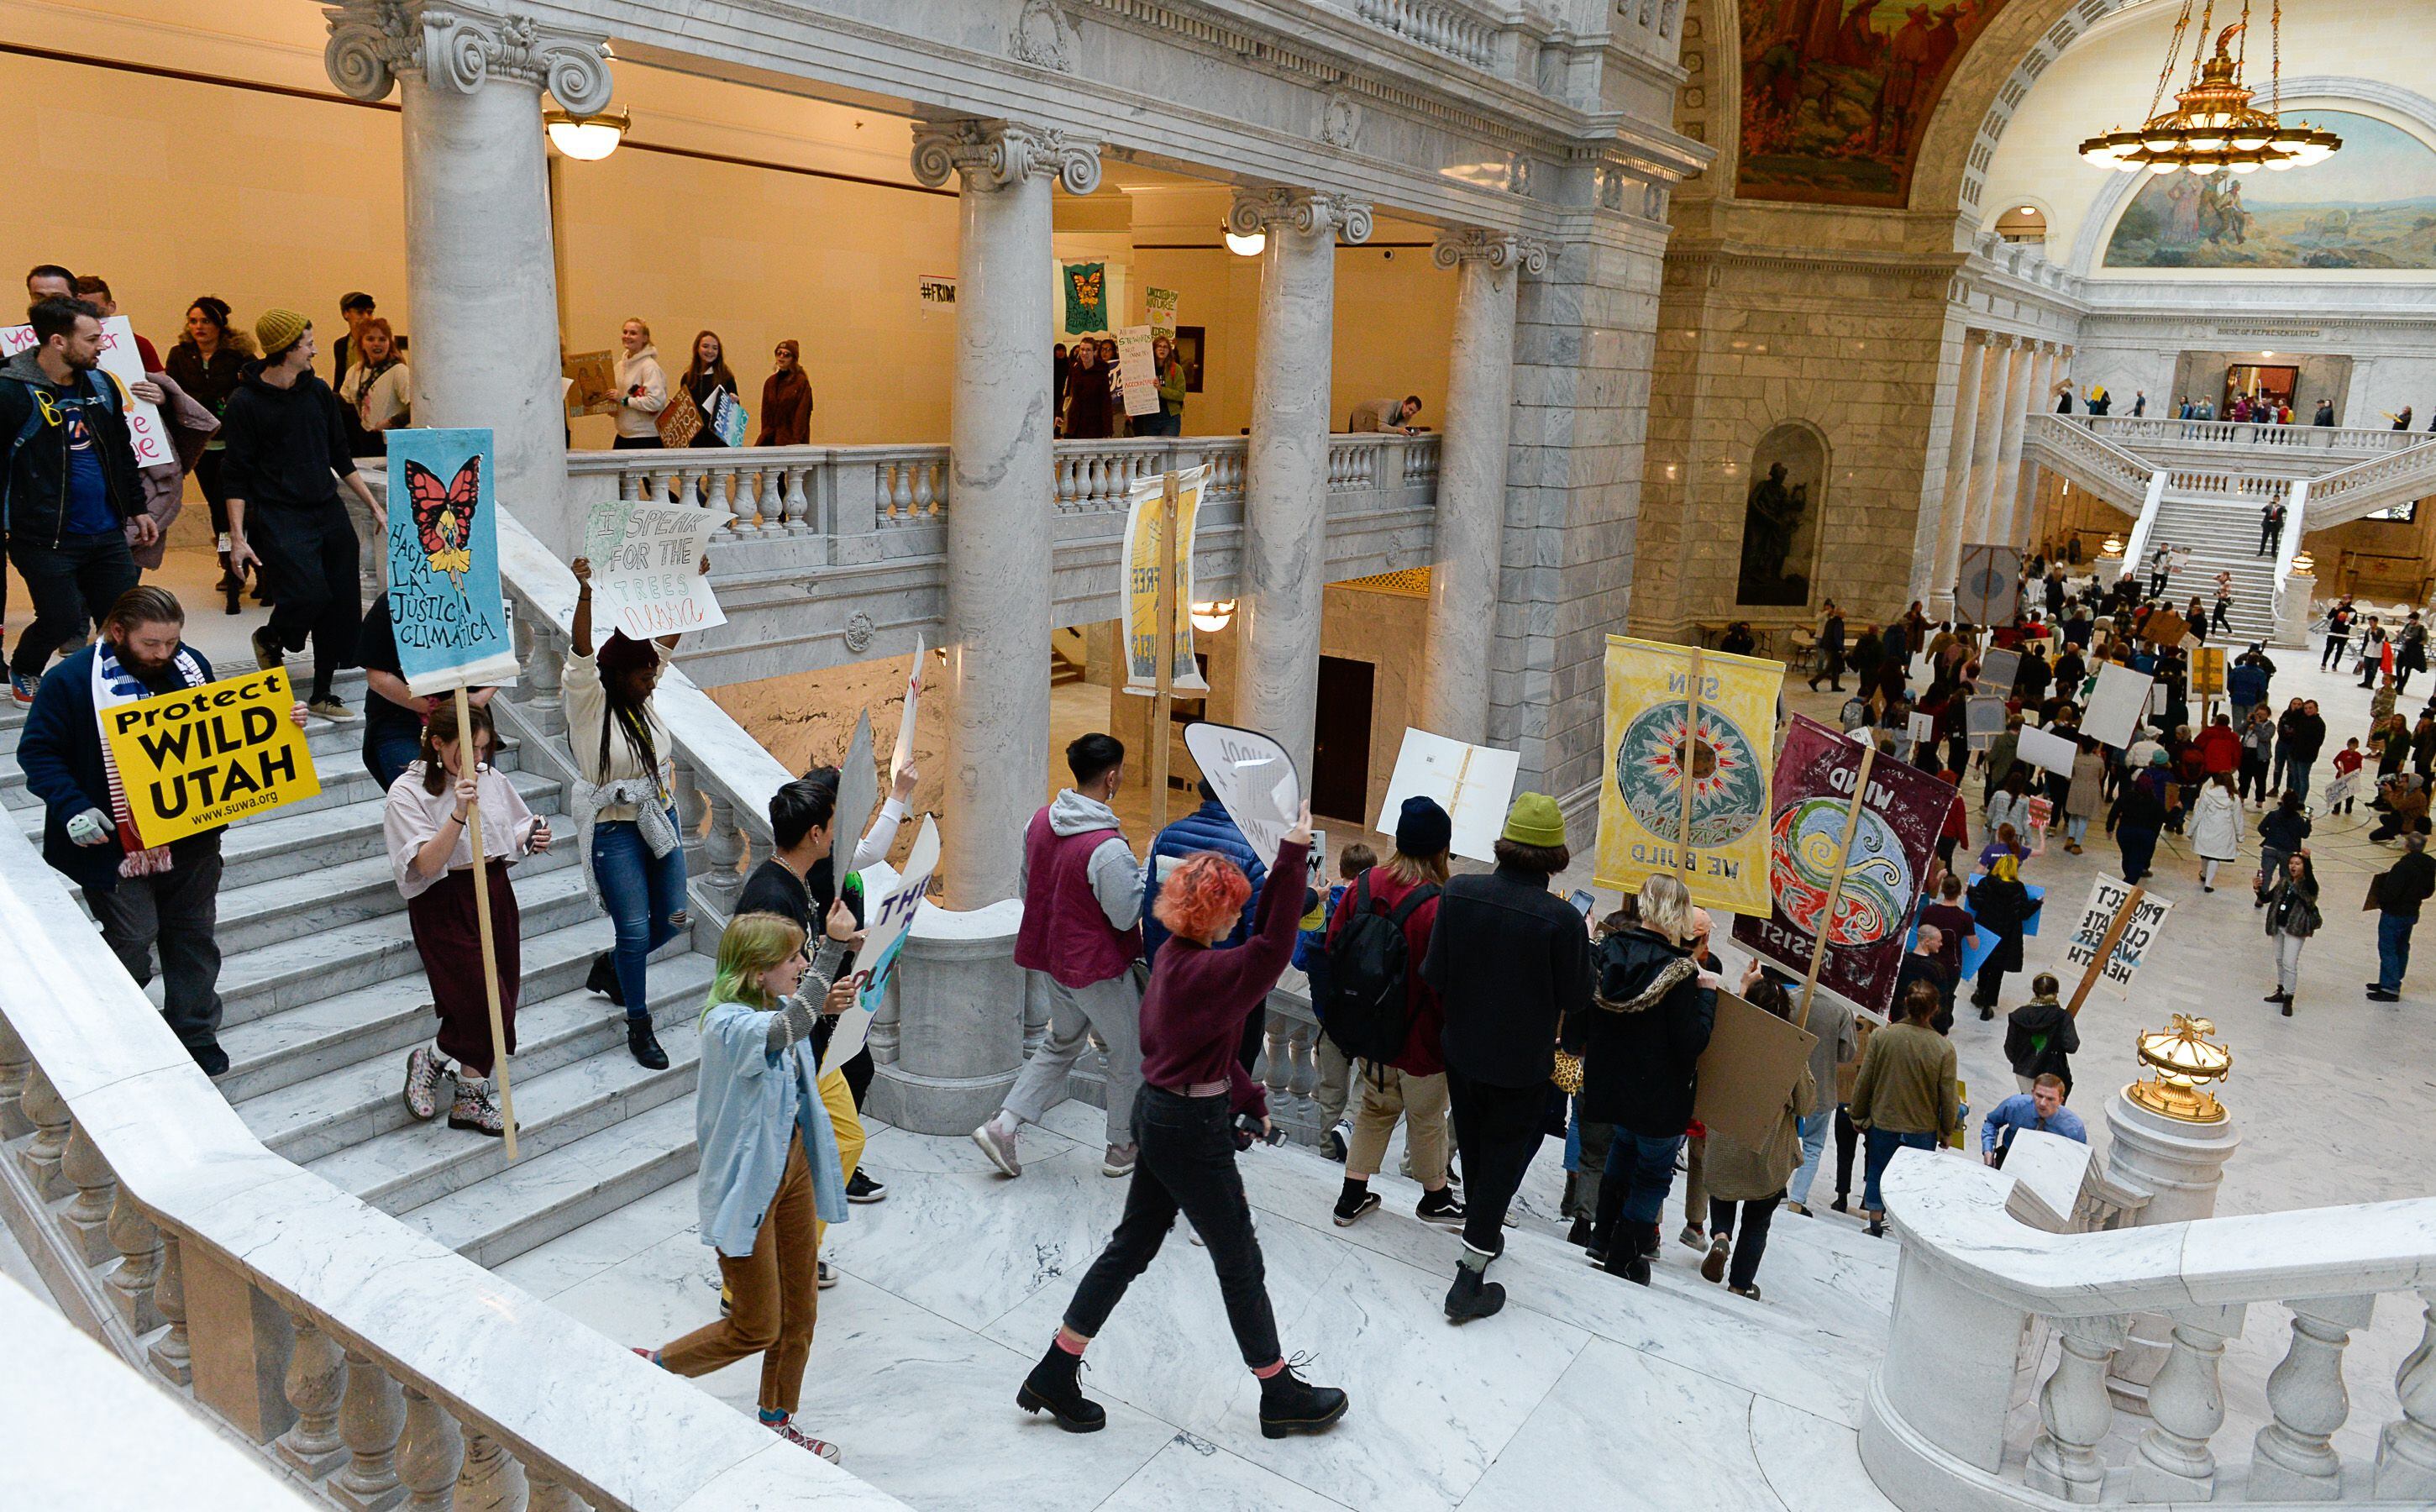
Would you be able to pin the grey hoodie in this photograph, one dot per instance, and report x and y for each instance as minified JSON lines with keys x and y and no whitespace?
{"x":1116,"y":878}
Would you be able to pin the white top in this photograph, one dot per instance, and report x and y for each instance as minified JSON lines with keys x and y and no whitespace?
{"x":638,"y":414}
{"x":414,"y":816}
{"x":381,"y":401}
{"x":587,"y":716}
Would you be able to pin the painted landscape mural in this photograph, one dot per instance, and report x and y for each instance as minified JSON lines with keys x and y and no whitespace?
{"x":2371,"y":205}
{"x":1836,"y":93}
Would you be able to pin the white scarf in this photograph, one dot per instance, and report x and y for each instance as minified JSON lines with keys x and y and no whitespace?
{"x":112,"y":685}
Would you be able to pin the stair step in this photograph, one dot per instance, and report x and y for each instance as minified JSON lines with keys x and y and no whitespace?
{"x":283,"y":845}
{"x":543,"y":1196}
{"x":317,"y":1115}
{"x":284,"y":908}
{"x":406,"y":1168}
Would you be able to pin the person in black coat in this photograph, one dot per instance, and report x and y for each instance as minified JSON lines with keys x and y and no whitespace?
{"x":1640,"y":1049}
{"x":2002,"y":905}
{"x":1830,"y":649}
{"x":1510,"y":961}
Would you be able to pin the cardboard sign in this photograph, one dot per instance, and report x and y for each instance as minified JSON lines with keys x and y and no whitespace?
{"x":2045,"y":751}
{"x":1731,"y":764}
{"x":1983,"y":719}
{"x":444,"y":562}
{"x":2341,"y":789}
{"x":1144,"y":560}
{"x":1747,"y":1075}
{"x":591,"y":383}
{"x":2041,"y":818}
{"x":647,"y":565}
{"x":204,"y":757}
{"x":885,"y":925}
{"x":1999,"y":670}
{"x":2107,"y":896}
{"x":680,"y":420}
{"x":123,"y":360}
{"x":1472,"y":782}
{"x":903,"y":756}
{"x":1991,"y":586}
{"x":1160,"y":303}
{"x":2113,"y":715}
{"x":935,"y":292}
{"x":2165,"y":628}
{"x":1254,"y":780}
{"x":1137,"y":374}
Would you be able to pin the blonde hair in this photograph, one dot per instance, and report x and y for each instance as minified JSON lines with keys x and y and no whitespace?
{"x":751,"y":945}
{"x":1666,"y":907}
{"x":636,"y":320}
{"x":1414,"y":870}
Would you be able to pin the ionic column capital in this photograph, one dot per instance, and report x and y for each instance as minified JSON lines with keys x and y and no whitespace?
{"x":1498,"y":248}
{"x":458,"y":47}
{"x":998,"y":154}
{"x":1309,"y":211}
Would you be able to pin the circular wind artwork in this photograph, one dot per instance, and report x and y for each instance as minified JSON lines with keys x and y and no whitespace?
{"x":1729,"y":798}
{"x":1801,"y":865}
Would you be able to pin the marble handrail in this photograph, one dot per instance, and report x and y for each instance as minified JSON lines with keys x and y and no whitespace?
{"x":2352,"y":492}
{"x":2165,"y":430}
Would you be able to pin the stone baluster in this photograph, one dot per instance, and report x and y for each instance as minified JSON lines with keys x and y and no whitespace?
{"x":795,"y":502}
{"x":2074,"y":1412}
{"x":691,"y":809}
{"x":723,"y":849}
{"x":2405,"y":1456}
{"x":548,"y":1494}
{"x":2186,"y":1408}
{"x":171,"y":1353}
{"x":629,"y":487}
{"x":926,"y":496}
{"x":133,"y":1280}
{"x":546,"y":676}
{"x":1276,"y":1069}
{"x":433,"y":1453}
{"x":887,"y":1029}
{"x":15,"y":1061}
{"x":1062,"y":491}
{"x":900,"y":489}
{"x":49,"y":1114}
{"x":317,"y":1371}
{"x":88,"y":1217}
{"x":370,"y":1418}
{"x":2291,"y":1459}
{"x":492,"y":1480}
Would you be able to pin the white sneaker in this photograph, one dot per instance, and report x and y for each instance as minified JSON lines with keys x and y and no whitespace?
{"x":998,"y":1144}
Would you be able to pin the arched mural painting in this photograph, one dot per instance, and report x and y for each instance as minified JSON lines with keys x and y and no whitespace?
{"x":1780,"y":517}
{"x":2371,"y":205}
{"x":1836,"y":93}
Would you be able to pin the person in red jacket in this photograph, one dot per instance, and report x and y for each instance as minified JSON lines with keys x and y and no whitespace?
{"x":2219,"y":747}
{"x":1413,"y":1085}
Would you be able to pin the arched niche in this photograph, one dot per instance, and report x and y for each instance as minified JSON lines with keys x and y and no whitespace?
{"x":1782,"y":514}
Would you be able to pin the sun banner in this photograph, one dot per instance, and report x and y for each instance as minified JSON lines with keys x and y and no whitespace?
{"x":1641,"y":818}
{"x":1144,"y":562}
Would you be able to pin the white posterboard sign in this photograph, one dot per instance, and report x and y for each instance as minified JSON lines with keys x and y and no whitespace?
{"x":1254,"y":780}
{"x":2114,"y":714}
{"x":123,"y":360}
{"x":2342,"y":789}
{"x":884,"y":924}
{"x":1137,"y":374}
{"x":903,"y":757}
{"x":2107,"y":896}
{"x":2048,"y":752}
{"x":1923,"y":727}
{"x":647,"y":565}
{"x":1472,"y":782}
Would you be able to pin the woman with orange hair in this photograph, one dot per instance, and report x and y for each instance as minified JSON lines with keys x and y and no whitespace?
{"x":1187,"y":1132}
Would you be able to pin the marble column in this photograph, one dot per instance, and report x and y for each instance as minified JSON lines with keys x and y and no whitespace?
{"x":1000,"y":486}
{"x":1988,"y":435}
{"x":1471,"y":478}
{"x":1947,"y":569}
{"x":2021,"y":385}
{"x":1285,"y":486}
{"x":481,"y":279}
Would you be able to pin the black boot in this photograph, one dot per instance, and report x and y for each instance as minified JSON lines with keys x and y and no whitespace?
{"x":1054,"y":1387}
{"x":1472,"y":1296}
{"x":1290,"y":1404}
{"x":645,"y":1045}
{"x":602,"y":978}
{"x":1629,"y":1255}
{"x":1580,"y":1233}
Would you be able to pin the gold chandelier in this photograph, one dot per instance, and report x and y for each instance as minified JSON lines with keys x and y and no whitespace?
{"x":2213,"y":127}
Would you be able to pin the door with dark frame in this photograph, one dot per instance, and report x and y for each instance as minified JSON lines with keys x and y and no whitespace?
{"x":1340,"y":758}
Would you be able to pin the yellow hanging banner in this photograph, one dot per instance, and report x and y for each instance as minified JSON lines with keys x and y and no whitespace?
{"x":1145,"y":558}
{"x":205,"y":756}
{"x":1643,"y":816}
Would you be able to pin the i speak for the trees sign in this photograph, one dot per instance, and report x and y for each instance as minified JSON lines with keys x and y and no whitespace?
{"x":647,"y":565}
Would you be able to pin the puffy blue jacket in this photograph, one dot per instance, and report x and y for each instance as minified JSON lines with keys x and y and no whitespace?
{"x":2246,"y":683}
{"x":1206,"y":828}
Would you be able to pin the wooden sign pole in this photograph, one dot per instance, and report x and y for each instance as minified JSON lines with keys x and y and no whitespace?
{"x":1835,"y":882}
{"x":1163,"y":701}
{"x":2115,"y":928}
{"x":465,"y":747}
{"x":1691,"y":769}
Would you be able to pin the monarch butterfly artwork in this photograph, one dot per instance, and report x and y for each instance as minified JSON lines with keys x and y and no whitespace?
{"x":444,"y":516}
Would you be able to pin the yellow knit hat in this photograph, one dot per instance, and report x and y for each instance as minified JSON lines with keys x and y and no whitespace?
{"x":278,"y":330}
{"x":1535,"y":820}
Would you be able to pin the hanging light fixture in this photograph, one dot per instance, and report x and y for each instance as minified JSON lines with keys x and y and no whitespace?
{"x":2213,"y":127}
{"x":587,"y":138}
{"x":1241,"y":246}
{"x":1212,"y":617}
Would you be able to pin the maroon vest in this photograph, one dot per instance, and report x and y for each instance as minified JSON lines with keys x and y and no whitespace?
{"x":1065,"y":931}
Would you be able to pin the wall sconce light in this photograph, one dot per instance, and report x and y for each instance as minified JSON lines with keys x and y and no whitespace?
{"x":1251,"y":246}
{"x":1210,"y":619}
{"x":587,"y":138}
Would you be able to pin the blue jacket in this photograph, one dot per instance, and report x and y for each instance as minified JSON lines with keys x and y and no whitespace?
{"x":2246,"y":683}
{"x":61,"y":754}
{"x":1206,"y":828}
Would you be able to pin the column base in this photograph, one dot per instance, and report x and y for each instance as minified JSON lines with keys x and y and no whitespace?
{"x":936,"y":1105}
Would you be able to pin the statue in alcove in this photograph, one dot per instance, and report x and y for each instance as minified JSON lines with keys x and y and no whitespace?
{"x":1772,"y":517}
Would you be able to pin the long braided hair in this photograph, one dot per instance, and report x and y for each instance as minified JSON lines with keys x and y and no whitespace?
{"x":620,"y":657}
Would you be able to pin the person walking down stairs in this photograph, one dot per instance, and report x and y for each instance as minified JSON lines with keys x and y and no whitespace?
{"x":431,"y":853}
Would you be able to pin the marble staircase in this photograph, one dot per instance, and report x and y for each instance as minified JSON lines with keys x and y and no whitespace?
{"x":2222,"y":536}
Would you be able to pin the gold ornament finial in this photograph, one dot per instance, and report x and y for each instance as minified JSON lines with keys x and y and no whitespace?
{"x":2184,"y":1059}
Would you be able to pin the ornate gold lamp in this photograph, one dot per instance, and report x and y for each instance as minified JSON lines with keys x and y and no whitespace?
{"x":2213,"y":127}
{"x":2182,"y":1060}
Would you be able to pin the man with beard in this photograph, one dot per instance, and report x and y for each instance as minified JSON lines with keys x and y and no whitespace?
{"x":163,"y":896}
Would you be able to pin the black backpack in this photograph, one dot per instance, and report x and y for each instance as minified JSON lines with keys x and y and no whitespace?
{"x":1366,"y":1010}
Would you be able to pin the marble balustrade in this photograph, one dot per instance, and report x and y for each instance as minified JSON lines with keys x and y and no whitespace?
{"x":1943,"y":1426}
{"x":2326,"y":440}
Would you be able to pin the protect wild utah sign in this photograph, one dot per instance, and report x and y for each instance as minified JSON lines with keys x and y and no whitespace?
{"x":202,"y":756}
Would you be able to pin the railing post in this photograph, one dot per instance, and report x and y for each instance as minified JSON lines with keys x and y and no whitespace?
{"x":548,"y":1494}
{"x":545,"y":663}
{"x":134,"y":1278}
{"x":2074,"y":1412}
{"x":315,"y":1378}
{"x":49,"y":1115}
{"x":88,"y":1216}
{"x":239,"y":1342}
{"x":491,"y":1481}
{"x":2292,"y":1459}
{"x":434,"y":1451}
{"x":171,"y":1353}
{"x":369,"y":1420}
{"x":2186,"y":1408}
{"x":2406,"y":1456}
{"x":15,"y":1060}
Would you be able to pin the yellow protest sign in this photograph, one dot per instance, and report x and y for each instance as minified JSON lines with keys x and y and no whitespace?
{"x":1642,"y":811}
{"x":2207,"y":673}
{"x":204,"y":757}
{"x":1145,"y":558}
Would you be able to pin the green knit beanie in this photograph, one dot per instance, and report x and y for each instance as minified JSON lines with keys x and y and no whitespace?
{"x":1535,"y":820}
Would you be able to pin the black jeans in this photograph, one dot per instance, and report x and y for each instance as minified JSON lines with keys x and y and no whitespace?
{"x":1848,"y":1140}
{"x":207,"y":478}
{"x":1498,"y":1129}
{"x":1751,"y":1245}
{"x":2333,"y":654}
{"x":313,"y":558}
{"x":72,"y":585}
{"x":1187,"y":1163}
{"x":176,"y":910}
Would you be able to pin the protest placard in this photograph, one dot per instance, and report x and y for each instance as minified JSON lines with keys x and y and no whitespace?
{"x":2107,"y":897}
{"x":1472,"y":782}
{"x":1160,"y":303}
{"x":2207,"y":673}
{"x":2045,"y":751}
{"x":1747,"y":1075}
{"x":205,"y":756}
{"x":2165,"y":628}
{"x":444,"y":562}
{"x":1137,"y":374}
{"x":124,"y":361}
{"x":1254,"y":780}
{"x":591,"y":383}
{"x":1983,"y":719}
{"x":647,"y":565}
{"x":727,"y":418}
{"x":1720,"y":847}
{"x":1999,"y":668}
{"x":1145,"y":561}
{"x":2041,"y":818}
{"x":1920,"y":727}
{"x":886,"y":921}
{"x":2116,"y":704}
{"x":1990,"y":588}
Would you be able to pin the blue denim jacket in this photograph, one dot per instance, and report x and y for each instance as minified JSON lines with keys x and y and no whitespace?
{"x":745,"y":1104}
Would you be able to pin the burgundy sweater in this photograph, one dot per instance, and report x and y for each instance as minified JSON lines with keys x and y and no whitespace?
{"x":1193,"y":1015}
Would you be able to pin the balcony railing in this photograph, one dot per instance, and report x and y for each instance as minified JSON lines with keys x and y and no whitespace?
{"x":2125,"y":430}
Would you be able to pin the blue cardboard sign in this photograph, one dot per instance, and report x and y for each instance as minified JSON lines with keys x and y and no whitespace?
{"x":444,"y":603}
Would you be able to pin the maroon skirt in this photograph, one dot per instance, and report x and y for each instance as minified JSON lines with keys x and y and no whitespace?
{"x":449,"y":939}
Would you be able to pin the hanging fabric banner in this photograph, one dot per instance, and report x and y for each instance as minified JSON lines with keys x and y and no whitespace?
{"x":1087,"y":296}
{"x":444,"y":562}
{"x":1641,"y":816}
{"x":1144,"y":560}
{"x":1900,"y":815}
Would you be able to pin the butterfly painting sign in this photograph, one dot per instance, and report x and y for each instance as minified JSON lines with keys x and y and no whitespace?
{"x":444,"y":562}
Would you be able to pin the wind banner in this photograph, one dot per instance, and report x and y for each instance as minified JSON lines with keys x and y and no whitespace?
{"x":444,"y":562}
{"x":1144,"y":562}
{"x":1641,"y":816}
